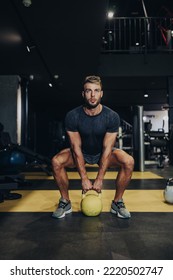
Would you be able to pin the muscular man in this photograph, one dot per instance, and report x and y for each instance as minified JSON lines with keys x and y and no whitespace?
{"x":92,"y":129}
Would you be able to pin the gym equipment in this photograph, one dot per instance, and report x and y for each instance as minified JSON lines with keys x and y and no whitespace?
{"x":9,"y":161}
{"x":4,"y":158}
{"x":91,"y":203}
{"x":159,"y":146}
{"x":17,"y":158}
{"x":6,"y":185}
{"x":138,"y":138}
{"x":125,"y":137}
{"x":36,"y":159}
{"x":13,"y":159}
{"x":168,"y":192}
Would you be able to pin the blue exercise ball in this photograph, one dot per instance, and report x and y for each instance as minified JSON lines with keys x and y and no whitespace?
{"x":17,"y":159}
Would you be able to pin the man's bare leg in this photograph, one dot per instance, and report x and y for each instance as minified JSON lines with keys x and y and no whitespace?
{"x":126,"y":164}
{"x":60,"y":162}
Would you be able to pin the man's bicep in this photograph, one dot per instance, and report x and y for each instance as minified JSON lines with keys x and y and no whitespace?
{"x":74,"y":138}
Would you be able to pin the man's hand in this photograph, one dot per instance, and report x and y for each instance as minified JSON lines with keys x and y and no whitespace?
{"x":86,"y":185}
{"x":97,"y":186}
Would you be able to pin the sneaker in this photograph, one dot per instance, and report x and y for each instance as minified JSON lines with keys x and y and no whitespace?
{"x":64,"y":207}
{"x":119,"y":209}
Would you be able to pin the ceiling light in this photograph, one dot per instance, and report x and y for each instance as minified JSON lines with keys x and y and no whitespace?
{"x":29,"y":48}
{"x":56,"y":76}
{"x":110,"y":14}
{"x":50,"y":84}
{"x":31,"y":77}
{"x":27,"y":3}
{"x":145,"y":95}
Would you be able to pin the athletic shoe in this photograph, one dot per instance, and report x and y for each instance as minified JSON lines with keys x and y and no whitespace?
{"x":118,"y":208}
{"x":64,"y":207}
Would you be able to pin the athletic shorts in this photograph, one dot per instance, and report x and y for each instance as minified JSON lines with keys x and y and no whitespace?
{"x":92,"y":159}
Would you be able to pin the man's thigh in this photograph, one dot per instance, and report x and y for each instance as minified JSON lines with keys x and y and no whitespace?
{"x":118,"y":158}
{"x":65,"y":158}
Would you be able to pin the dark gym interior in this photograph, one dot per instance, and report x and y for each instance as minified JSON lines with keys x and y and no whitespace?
{"x":47,"y":48}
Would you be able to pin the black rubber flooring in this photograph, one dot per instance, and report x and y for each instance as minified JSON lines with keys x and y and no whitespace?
{"x":150,"y":184}
{"x":38,"y":236}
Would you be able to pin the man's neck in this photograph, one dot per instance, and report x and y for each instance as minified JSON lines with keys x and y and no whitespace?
{"x":93,"y":111}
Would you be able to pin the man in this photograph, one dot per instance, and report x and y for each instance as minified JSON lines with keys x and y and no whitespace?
{"x":92,"y":130}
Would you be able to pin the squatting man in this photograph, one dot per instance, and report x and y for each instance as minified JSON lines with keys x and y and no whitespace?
{"x":92,"y":130}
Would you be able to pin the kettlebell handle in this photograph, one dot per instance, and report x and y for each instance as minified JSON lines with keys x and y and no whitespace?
{"x":98,"y":193}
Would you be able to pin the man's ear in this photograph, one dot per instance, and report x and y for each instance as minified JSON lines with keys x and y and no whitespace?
{"x":82,"y":93}
{"x":101,"y":93}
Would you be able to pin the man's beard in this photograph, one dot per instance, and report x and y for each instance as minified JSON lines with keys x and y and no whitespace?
{"x":89,"y":105}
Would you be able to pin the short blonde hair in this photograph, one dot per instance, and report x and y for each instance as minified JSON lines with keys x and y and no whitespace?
{"x":93,"y":80}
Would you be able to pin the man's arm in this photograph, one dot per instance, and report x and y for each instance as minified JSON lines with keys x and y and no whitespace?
{"x":108,"y":144}
{"x":75,"y":141}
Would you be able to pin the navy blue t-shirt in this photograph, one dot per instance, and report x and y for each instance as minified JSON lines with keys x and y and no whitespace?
{"x":92,"y":129}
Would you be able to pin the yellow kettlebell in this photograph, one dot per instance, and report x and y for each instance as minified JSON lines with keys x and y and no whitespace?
{"x":91,"y":203}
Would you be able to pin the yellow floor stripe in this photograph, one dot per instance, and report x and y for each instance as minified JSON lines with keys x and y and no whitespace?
{"x":92,"y":175}
{"x":46,"y":201}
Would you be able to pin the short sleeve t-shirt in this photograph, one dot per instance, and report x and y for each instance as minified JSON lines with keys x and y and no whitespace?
{"x":92,"y":129}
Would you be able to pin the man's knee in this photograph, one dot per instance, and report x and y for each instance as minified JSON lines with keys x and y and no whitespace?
{"x":63,"y":159}
{"x":56,"y":161}
{"x":124,"y":159}
{"x":129,"y":162}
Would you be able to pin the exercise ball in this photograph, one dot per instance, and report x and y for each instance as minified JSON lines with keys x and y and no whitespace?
{"x":168,"y":192}
{"x":17,"y":159}
{"x":91,"y":203}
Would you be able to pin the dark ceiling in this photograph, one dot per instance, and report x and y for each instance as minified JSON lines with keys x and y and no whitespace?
{"x":130,"y":8}
{"x":64,"y":39}
{"x":59,"y":42}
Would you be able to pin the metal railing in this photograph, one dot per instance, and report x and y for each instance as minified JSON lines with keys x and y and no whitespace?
{"x":138,"y":35}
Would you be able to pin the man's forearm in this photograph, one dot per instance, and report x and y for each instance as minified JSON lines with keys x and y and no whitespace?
{"x":80,"y":163}
{"x":103,"y":165}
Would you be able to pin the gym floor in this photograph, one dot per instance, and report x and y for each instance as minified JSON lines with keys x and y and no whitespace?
{"x":28,"y":232}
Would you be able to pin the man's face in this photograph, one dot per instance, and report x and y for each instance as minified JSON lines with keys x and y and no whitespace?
{"x":92,"y":95}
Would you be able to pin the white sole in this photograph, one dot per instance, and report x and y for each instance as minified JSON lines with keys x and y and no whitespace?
{"x":63,"y":215}
{"x":118,"y":214}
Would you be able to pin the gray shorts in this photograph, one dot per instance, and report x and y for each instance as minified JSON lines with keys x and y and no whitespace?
{"x":92,"y":159}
